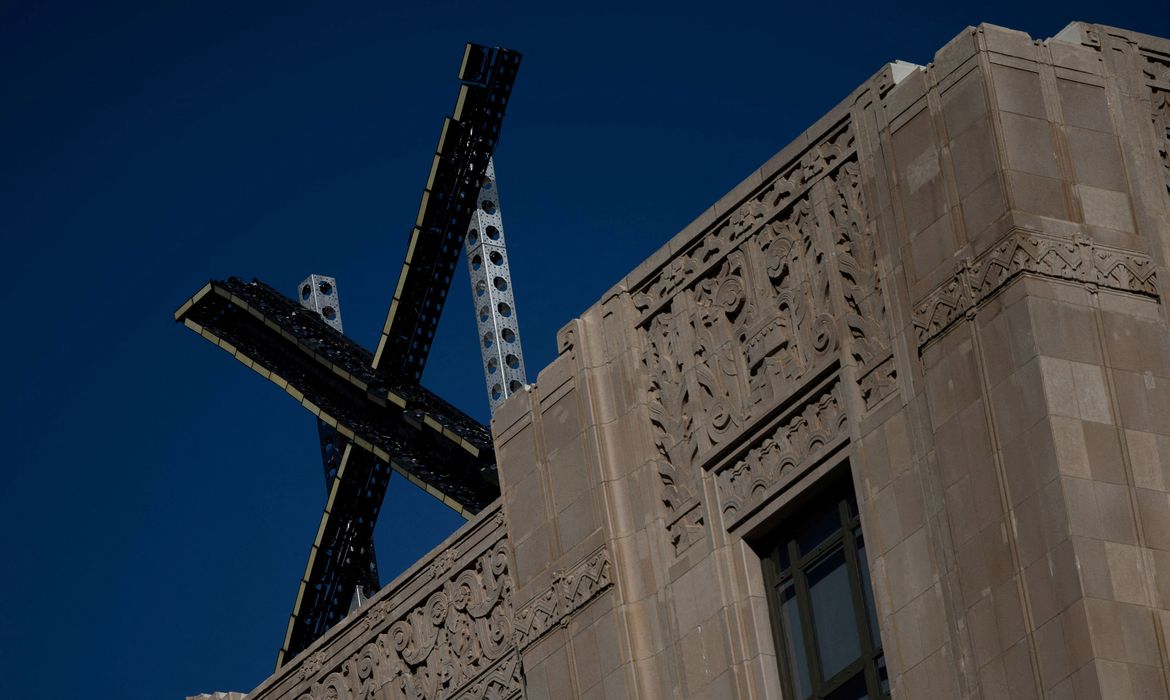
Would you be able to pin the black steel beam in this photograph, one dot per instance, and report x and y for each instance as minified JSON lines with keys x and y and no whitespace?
{"x":429,"y":441}
{"x":341,"y":557}
{"x":466,"y":142}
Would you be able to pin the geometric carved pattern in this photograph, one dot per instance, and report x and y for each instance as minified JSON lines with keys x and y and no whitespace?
{"x":455,"y":639}
{"x":1156,"y":70}
{"x":865,"y":306}
{"x":568,"y":593}
{"x":797,"y":442}
{"x":735,"y":324}
{"x":1026,"y":252}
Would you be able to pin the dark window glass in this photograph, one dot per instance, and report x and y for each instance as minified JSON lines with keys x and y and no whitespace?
{"x":794,"y":640}
{"x":836,"y":629}
{"x":822,"y":606}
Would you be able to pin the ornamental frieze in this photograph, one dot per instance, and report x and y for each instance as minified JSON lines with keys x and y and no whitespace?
{"x":569,"y":592}
{"x":444,"y":632}
{"x":1026,"y":252}
{"x":798,"y":441}
{"x":733,"y":326}
{"x":770,"y":200}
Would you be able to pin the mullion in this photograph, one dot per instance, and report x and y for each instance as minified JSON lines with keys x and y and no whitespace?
{"x":779,"y":578}
{"x":822,"y":686}
{"x":812,"y":654}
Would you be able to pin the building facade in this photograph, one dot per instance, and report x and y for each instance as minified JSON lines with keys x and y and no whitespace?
{"x":892,"y":418}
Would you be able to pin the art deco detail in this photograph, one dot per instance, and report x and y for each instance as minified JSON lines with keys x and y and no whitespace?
{"x":798,"y":441}
{"x":1157,"y":71}
{"x":750,"y":217}
{"x":455,"y":640}
{"x":1026,"y":252}
{"x":773,"y":293}
{"x":569,"y":592}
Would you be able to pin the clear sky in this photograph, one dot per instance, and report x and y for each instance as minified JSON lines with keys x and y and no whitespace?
{"x":158,"y":499}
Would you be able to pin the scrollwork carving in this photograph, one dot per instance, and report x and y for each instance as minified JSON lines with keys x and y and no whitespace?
{"x":769,"y":201}
{"x":793,"y":444}
{"x":735,"y":324}
{"x":457,"y":642}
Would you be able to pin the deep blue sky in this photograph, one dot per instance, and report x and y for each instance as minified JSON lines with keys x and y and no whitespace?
{"x":158,"y":499}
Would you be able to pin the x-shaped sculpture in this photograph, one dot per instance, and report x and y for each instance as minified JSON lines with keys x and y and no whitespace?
{"x":389,"y":421}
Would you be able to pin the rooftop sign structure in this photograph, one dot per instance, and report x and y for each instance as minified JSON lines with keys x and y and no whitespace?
{"x":384,"y":418}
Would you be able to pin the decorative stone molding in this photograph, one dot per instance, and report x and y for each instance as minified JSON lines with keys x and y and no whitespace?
{"x":781,"y":192}
{"x":737,"y":322}
{"x":1027,"y":252}
{"x":1156,"y":70}
{"x":865,"y":318}
{"x":800,"y":439}
{"x":569,"y":592}
{"x":443,"y":631}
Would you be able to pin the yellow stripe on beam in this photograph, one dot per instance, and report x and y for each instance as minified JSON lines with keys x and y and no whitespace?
{"x":457,"y":115}
{"x":463,"y":63}
{"x":422,"y":208}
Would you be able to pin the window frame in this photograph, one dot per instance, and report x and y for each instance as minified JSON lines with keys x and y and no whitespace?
{"x":833,"y":492}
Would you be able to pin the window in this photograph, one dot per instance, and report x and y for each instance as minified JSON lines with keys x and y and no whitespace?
{"x":821,"y":601}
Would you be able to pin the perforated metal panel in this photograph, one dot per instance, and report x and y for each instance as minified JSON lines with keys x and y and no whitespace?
{"x":491,"y":290}
{"x":319,"y":293}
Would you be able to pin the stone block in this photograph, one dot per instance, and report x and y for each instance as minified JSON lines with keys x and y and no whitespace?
{"x":1096,"y":159}
{"x":1063,"y":330}
{"x":570,"y":472}
{"x":1019,"y":402}
{"x":1068,"y":438}
{"x":526,"y":506}
{"x":1030,"y":145}
{"x":974,"y":155}
{"x":1036,"y":194}
{"x":986,"y":205}
{"x":1018,"y":91}
{"x":1103,"y":450}
{"x":576,"y":521}
{"x":1154,"y":510}
{"x":1106,"y":208}
{"x":1126,"y":573}
{"x":933,"y":247}
{"x":1084,"y":105}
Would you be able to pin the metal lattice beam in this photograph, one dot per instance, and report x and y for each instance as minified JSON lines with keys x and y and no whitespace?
{"x":465,"y":145}
{"x":491,"y":290}
{"x":427,"y":440}
{"x":343,"y":568}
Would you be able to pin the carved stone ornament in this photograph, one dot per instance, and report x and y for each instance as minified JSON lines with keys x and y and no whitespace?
{"x":1155,"y":67}
{"x":1160,"y":101}
{"x":569,"y":592}
{"x":865,"y":304}
{"x":740,"y":320}
{"x":1027,"y":252}
{"x":456,"y":641}
{"x":798,"y":441}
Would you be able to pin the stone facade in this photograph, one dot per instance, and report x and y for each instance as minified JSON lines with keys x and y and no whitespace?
{"x":948,"y":288}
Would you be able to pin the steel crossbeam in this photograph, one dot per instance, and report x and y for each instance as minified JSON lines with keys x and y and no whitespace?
{"x":449,"y":199}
